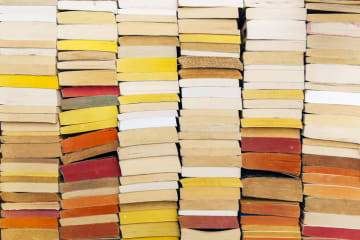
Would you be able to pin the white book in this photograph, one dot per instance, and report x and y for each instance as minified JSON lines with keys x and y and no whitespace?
{"x":327,"y":97}
{"x":28,"y":13}
{"x":147,"y":52}
{"x":334,"y":28}
{"x":211,"y":172}
{"x":272,"y":113}
{"x":275,"y":3}
{"x":332,"y":220}
{"x":147,"y":114}
{"x":209,"y":82}
{"x":147,"y":123}
{"x":146,"y":11}
{"x":149,"y":87}
{"x":141,"y":187}
{"x":276,"y":29}
{"x":332,"y":73}
{"x":29,"y":51}
{"x":155,"y":4}
{"x":276,"y":13}
{"x":274,"y":85}
{"x":102,"y":32}
{"x":211,"y":92}
{"x":212,"y":3}
{"x":275,"y":67}
{"x":101,"y":6}
{"x":283,"y":76}
{"x":209,"y":54}
{"x":212,"y":103}
{"x":226,"y":213}
{"x":29,"y":96}
{"x":276,"y":45}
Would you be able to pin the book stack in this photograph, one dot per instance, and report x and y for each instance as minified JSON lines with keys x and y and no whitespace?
{"x":148,"y":80}
{"x":87,"y":36}
{"x":30,"y":141}
{"x":272,"y":118}
{"x":331,"y":169}
{"x":209,"y":119}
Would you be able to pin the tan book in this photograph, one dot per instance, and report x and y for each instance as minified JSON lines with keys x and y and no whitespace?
{"x":148,"y":41}
{"x":123,"y":17}
{"x":29,"y":187}
{"x":332,"y":109}
{"x":204,"y":204}
{"x":146,"y":178}
{"x":31,"y":160}
{"x":189,"y":234}
{"x":74,"y":65}
{"x":31,"y":150}
{"x":31,"y":206}
{"x":148,"y":29}
{"x":212,"y":147}
{"x":148,"y":196}
{"x":332,"y":206}
{"x":150,"y":150}
{"x":103,"y":32}
{"x":209,"y":26}
{"x":85,"y":17}
{"x":209,"y":193}
{"x":34,"y":118}
{"x":88,"y":78}
{"x":333,"y":18}
{"x":211,"y":161}
{"x":29,"y":126}
{"x":28,"y":65}
{"x":30,"y":139}
{"x":91,"y":192}
{"x":193,"y":134}
{"x":330,"y":148}
{"x":354,"y":88}
{"x":271,"y":132}
{"x":210,"y":62}
{"x":215,"y":12}
{"x":29,"y":197}
{"x":85,"y":220}
{"x":273,"y":58}
{"x":150,"y":230}
{"x":148,"y":206}
{"x":28,"y":109}
{"x":29,"y":178}
{"x":86,"y":55}
{"x":138,"y":107}
{"x":24,"y":233}
{"x":51,"y":168}
{"x":333,"y":42}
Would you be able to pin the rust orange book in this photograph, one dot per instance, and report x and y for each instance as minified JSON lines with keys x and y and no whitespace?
{"x":92,"y":201}
{"x":89,"y":211}
{"x":334,"y":171}
{"x":269,"y":220}
{"x":29,"y":222}
{"x":274,"y":208}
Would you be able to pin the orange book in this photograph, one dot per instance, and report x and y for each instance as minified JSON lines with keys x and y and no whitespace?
{"x":326,"y":179}
{"x":29,"y":222}
{"x":327,"y":191}
{"x":335,"y":171}
{"x":90,"y":201}
{"x":269,"y":220}
{"x":89,"y":211}
{"x":274,"y":208}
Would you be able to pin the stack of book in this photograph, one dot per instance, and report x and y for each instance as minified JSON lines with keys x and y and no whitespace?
{"x":87,"y":45}
{"x":272,"y":118}
{"x":209,"y":119}
{"x":331,"y":159}
{"x":30,"y":141}
{"x":148,"y":80}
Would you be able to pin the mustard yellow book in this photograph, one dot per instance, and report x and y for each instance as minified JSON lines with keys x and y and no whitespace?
{"x":86,"y":127}
{"x":87,"y":45}
{"x":85,"y":17}
{"x":154,"y":76}
{"x":29,"y":81}
{"x":30,"y":174}
{"x":152,"y":238}
{"x":271,"y":122}
{"x":148,"y":216}
{"x":166,"y":229}
{"x":148,"y":98}
{"x":147,"y":65}
{"x":273,"y":94}
{"x":87,"y":115}
{"x":275,"y":234}
{"x":31,"y":133}
{"x":211,"y":182}
{"x":210,"y":38}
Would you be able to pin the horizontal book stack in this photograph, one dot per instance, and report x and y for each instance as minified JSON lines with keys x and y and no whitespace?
{"x":148,"y":80}
{"x":331,"y":160}
{"x":30,"y":141}
{"x":87,"y":36}
{"x":209,"y":119}
{"x":272,"y":118}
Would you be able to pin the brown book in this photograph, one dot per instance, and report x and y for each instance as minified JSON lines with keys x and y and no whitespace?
{"x":210,"y":62}
{"x":210,"y":73}
{"x":332,"y":162}
{"x":271,"y":208}
{"x":332,"y":206}
{"x":29,"y":197}
{"x":88,"y":184}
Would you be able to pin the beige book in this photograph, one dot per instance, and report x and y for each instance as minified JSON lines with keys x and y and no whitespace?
{"x":148,"y":29}
{"x":148,"y":206}
{"x":321,"y":56}
{"x":272,"y":113}
{"x":332,"y":120}
{"x":31,"y":150}
{"x":205,"y":204}
{"x":334,"y":133}
{"x":212,"y":47}
{"x":88,"y":65}
{"x":335,"y":206}
{"x":333,"y":18}
{"x":29,"y":167}
{"x":212,"y":103}
{"x":332,"y":220}
{"x":271,"y":132}
{"x":138,"y":107}
{"x":86,"y":55}
{"x":270,"y":76}
{"x":215,"y":12}
{"x":103,"y":32}
{"x":85,"y":17}
{"x":209,"y":26}
{"x":150,"y":150}
{"x":31,"y":160}
{"x":211,"y":161}
{"x":29,"y":2}
{"x":28,"y":31}
{"x":330,"y":148}
{"x":332,"y":109}
{"x":226,"y":121}
{"x":209,"y":193}
{"x":29,"y":126}
{"x":28,"y":65}
{"x":148,"y":196}
{"x":150,"y":165}
{"x":28,"y":109}
{"x":31,"y":206}
{"x":325,"y":6}
{"x":209,"y":112}
{"x":123,"y":17}
{"x":91,"y":192}
{"x":24,"y":233}
{"x":333,"y":42}
{"x":148,"y":41}
{"x":273,"y":85}
{"x":149,"y":87}
{"x":96,"y":219}
{"x":212,"y":147}
{"x":34,"y":118}
{"x":189,"y":234}
{"x":273,"y":58}
{"x":210,"y":134}
{"x":146,"y":178}
{"x":88,"y":78}
{"x":334,"y":87}
{"x":276,"y":45}
{"x":29,"y":187}
{"x":271,"y":103}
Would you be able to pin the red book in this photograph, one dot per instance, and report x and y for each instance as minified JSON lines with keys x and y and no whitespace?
{"x":209,"y":222}
{"x":91,"y":231}
{"x":91,"y":169}
{"x":90,"y":91}
{"x":272,"y":145}
{"x":327,"y":232}
{"x":29,"y":213}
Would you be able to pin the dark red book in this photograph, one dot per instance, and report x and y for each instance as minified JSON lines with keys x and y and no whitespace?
{"x":272,"y":145}
{"x":209,"y":222}
{"x":337,"y":233}
{"x":91,"y":169}
{"x":30,"y":213}
{"x":91,"y":231}
{"x":90,"y":91}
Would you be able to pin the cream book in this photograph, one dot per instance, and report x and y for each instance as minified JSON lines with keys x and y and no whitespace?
{"x":275,"y":67}
{"x":273,"y":85}
{"x":28,"y":13}
{"x":342,"y":29}
{"x":102,"y":32}
{"x":149,"y":178}
{"x":144,"y":4}
{"x":213,"y":3}
{"x":209,"y":82}
{"x":276,"y":13}
{"x":328,"y":97}
{"x":330,"y":148}
{"x":234,"y":172}
{"x":270,"y":76}
{"x":150,"y":122}
{"x":211,"y":92}
{"x":149,"y":87}
{"x":272,"y":113}
{"x":208,"y":12}
{"x":29,"y":51}
{"x":276,"y":45}
{"x":333,"y":133}
{"x":274,"y":4}
{"x":147,"y":114}
{"x":332,"y":73}
{"x":146,"y":15}
{"x":140,"y":187}
{"x":100,"y":6}
{"x":29,"y":96}
{"x":148,"y":150}
{"x":212,"y":103}
{"x":276,"y":29}
{"x":148,"y":29}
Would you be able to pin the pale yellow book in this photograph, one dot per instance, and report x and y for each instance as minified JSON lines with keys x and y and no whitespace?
{"x":152,"y":76}
{"x":271,"y":122}
{"x":148,"y":216}
{"x":210,"y":38}
{"x":273,"y":94}
{"x":147,"y":65}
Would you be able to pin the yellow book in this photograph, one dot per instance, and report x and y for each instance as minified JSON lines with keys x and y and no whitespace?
{"x":271,"y":122}
{"x":131,"y":65}
{"x":87,"y":45}
{"x":148,"y":216}
{"x":211,"y":182}
{"x":273,"y":94}
{"x":155,"y":76}
{"x":33,"y":133}
{"x":85,"y":17}
{"x":30,"y":174}
{"x":86,"y":127}
{"x":152,"y":238}
{"x":29,"y":81}
{"x":87,"y":115}
{"x":148,"y":98}
{"x":210,"y":38}
{"x":166,"y":229}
